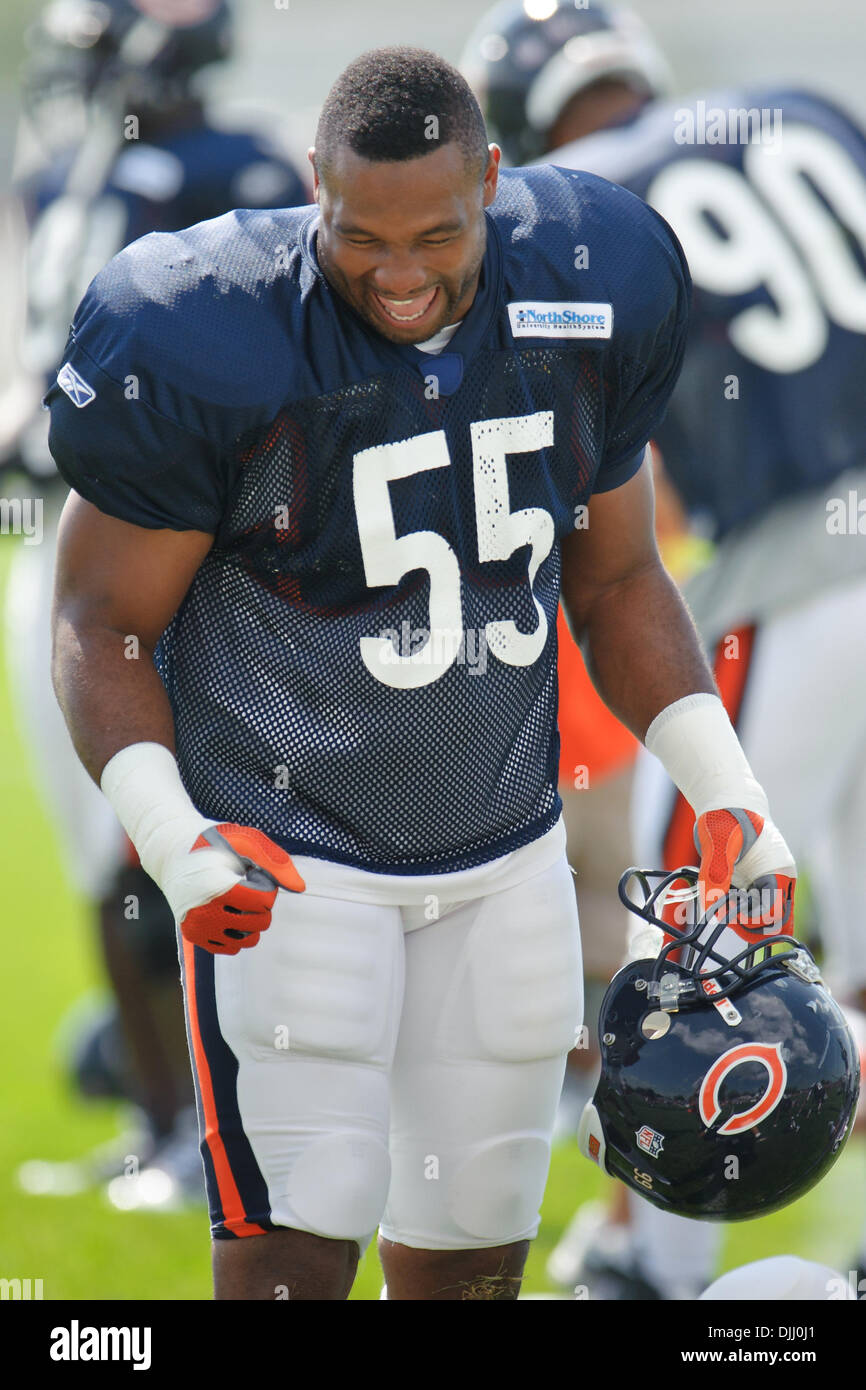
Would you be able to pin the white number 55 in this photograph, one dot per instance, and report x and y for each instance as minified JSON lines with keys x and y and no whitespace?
{"x":387,"y":557}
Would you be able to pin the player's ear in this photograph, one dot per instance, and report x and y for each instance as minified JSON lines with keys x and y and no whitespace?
{"x":311,"y":156}
{"x":491,"y":174}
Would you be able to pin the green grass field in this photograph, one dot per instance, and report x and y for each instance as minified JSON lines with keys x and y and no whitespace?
{"x":79,"y":1246}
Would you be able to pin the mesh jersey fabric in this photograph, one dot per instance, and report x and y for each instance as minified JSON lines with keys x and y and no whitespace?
{"x":258,"y":395}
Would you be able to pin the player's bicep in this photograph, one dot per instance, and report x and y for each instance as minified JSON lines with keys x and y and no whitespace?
{"x":115,"y":575}
{"x":617,"y":543}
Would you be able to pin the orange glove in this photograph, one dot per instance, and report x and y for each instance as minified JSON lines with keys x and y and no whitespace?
{"x":236,"y":916}
{"x":741,"y":850}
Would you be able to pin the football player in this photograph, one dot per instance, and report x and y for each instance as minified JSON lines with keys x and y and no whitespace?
{"x":337,"y":518}
{"x":122,"y":73}
{"x":765,"y":437}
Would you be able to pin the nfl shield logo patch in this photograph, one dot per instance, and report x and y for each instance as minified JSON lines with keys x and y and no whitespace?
{"x":649,"y":1140}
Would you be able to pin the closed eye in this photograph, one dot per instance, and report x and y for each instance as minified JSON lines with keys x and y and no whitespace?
{"x":364,"y":243}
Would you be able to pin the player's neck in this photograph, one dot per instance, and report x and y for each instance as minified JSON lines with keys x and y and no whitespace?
{"x":439,"y":340}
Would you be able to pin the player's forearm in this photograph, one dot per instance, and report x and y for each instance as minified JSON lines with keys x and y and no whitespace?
{"x":645,"y":657}
{"x":109,"y":692}
{"x":121,"y":723}
{"x":642,"y":649}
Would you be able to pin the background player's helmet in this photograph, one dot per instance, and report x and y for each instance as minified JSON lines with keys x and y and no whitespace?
{"x":728,"y":1088}
{"x":781,"y":1278}
{"x":150,"y":48}
{"x":528,"y":58}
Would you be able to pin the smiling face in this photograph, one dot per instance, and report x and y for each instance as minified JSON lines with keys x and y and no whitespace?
{"x":402,"y":241}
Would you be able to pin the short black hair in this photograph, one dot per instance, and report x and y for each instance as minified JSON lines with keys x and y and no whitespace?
{"x":400,"y":103}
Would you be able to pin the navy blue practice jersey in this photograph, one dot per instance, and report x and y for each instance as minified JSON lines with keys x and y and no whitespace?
{"x":365,"y":664}
{"x":766,"y":190}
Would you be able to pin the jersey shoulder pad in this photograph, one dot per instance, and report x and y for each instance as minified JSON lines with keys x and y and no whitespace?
{"x":200,"y":317}
{"x":570,"y":235}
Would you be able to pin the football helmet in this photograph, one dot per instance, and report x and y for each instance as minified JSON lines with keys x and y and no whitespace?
{"x":728,"y":1086}
{"x":528,"y":58}
{"x":148,"y":49}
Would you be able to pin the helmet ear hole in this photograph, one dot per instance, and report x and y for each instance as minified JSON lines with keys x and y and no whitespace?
{"x":655,"y":1025}
{"x":590,"y":1135}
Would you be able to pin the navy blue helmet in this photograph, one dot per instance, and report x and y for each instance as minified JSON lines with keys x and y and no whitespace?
{"x":150,"y":47}
{"x":527,"y":58}
{"x":728,"y":1087}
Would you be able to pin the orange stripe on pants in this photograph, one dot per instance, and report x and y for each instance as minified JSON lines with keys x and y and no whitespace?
{"x":230,"y":1198}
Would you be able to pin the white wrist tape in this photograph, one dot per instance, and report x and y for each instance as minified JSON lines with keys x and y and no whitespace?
{"x":143,"y":784}
{"x":695,"y":742}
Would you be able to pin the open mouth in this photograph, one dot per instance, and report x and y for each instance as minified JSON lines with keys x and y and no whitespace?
{"x":407,"y":311}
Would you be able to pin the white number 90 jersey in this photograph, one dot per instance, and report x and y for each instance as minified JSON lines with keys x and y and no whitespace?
{"x":766,"y":191}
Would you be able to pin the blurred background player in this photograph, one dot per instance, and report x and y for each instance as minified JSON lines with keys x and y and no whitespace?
{"x":764,"y":445}
{"x":115,"y":142}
